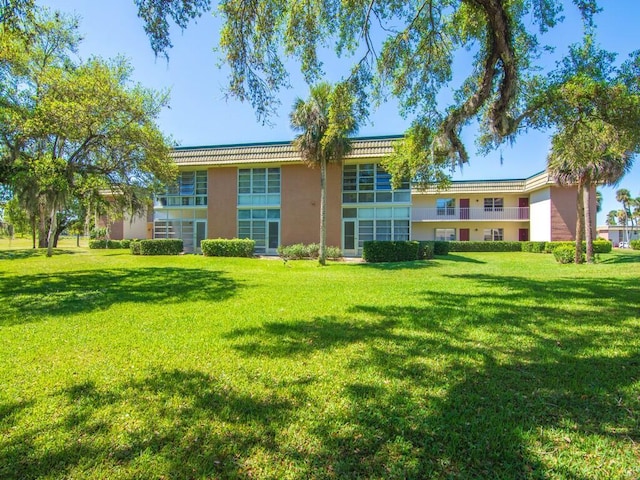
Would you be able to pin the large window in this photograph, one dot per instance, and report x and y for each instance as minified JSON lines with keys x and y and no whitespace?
{"x":493,"y":204}
{"x":445,"y":234}
{"x":189,"y":224}
{"x":262,"y":225}
{"x":374,"y":223}
{"x":258,"y":186}
{"x":493,"y":234}
{"x":190,"y":190}
{"x":369,"y":183}
{"x":445,"y":207}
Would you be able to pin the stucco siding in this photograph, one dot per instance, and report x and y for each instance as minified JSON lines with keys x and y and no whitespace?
{"x":539,"y":213}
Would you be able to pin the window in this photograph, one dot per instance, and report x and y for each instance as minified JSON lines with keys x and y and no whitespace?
{"x":260,"y":225}
{"x":258,"y":186}
{"x":493,"y":234}
{"x":445,"y":207}
{"x":189,"y":190}
{"x":375,"y":223}
{"x":445,"y":234}
{"x":369,"y":183}
{"x":493,"y":204}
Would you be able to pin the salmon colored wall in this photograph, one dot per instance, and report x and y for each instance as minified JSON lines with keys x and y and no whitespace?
{"x":300,"y":204}
{"x":222,"y":188}
{"x":564,"y":212}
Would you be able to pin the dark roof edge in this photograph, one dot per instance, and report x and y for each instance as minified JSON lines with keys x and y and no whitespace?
{"x":500,"y":179}
{"x":271,"y":144}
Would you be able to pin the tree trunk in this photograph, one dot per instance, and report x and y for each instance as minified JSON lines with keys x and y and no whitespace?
{"x":52,"y":227}
{"x":33,"y":230}
{"x":579,"y":224}
{"x":42,"y":226}
{"x":323,"y":212}
{"x":587,"y":222}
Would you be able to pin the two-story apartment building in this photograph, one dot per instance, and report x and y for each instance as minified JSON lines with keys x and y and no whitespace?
{"x":265,"y":192}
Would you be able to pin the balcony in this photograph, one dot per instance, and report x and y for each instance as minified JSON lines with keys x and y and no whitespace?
{"x":506,"y":214}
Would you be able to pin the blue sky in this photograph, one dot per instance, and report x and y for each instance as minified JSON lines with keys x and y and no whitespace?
{"x":200,"y":115}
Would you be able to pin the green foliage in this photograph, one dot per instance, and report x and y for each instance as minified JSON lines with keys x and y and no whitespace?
{"x":564,"y":253}
{"x":160,"y":246}
{"x":440,"y":247}
{"x":125,"y":243}
{"x":300,"y":251}
{"x":225,"y":247}
{"x":599,"y":246}
{"x":375,"y":251}
{"x":426,"y":250}
{"x":134,"y":247}
{"x":112,"y":244}
{"x":534,"y":247}
{"x":635,"y":244}
{"x":456,"y":246}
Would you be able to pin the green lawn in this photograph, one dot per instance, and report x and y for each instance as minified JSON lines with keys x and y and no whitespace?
{"x":469,"y":366}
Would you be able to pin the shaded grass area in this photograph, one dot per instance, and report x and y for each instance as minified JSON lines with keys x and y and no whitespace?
{"x":480,"y":366}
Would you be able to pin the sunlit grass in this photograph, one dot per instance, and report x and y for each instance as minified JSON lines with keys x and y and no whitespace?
{"x":468,"y":366}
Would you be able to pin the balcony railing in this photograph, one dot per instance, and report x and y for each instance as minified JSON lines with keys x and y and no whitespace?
{"x":506,"y":214}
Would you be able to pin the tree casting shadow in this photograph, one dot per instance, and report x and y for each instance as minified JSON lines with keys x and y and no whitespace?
{"x":30,"y":297}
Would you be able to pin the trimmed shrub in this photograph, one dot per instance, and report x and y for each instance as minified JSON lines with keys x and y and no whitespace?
{"x":388,"y":251}
{"x":440,"y":248}
{"x":564,"y":254}
{"x":533,"y":247}
{"x":485,"y":246}
{"x":426,"y":249}
{"x":599,"y":246}
{"x":334,"y":253}
{"x":635,"y":244}
{"x":102,"y":244}
{"x":161,"y":246}
{"x":298,"y":251}
{"x":228,"y":247}
{"x":126,"y":243}
{"x":134,"y":247}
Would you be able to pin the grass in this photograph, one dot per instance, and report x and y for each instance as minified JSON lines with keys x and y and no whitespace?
{"x":479,"y":365}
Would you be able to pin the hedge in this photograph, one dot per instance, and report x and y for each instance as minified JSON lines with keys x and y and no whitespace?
{"x":134,"y":247}
{"x":161,"y":246}
{"x":426,"y":249}
{"x":113,"y":244}
{"x":599,"y":246}
{"x":534,"y":247}
{"x":440,"y":247}
{"x":635,"y":244}
{"x":228,"y":247}
{"x":485,"y":246}
{"x":299,"y":251}
{"x":387,"y":251}
{"x":564,"y":254}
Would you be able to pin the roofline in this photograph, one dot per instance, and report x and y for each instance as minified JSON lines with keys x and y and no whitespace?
{"x":458,"y":182}
{"x":274,"y":143}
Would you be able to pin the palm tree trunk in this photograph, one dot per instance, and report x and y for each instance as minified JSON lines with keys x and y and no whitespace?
{"x":579,"y":224}
{"x":587,"y":222}
{"x":323,"y":212}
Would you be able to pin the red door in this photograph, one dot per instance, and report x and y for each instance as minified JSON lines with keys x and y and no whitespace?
{"x":523,"y":208}
{"x":464,"y":209}
{"x":523,"y":234}
{"x":464,"y":234}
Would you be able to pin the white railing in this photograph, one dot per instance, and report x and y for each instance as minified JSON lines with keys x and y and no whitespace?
{"x":426,"y":214}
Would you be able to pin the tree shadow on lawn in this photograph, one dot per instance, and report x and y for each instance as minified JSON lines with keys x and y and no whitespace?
{"x":21,"y":254}
{"x":490,"y":410}
{"x":31,"y":297}
{"x":622,"y":258}
{"x":169,"y":424}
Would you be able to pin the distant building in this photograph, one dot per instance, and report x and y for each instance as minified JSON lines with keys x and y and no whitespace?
{"x":265,"y":192}
{"x":616,"y":234}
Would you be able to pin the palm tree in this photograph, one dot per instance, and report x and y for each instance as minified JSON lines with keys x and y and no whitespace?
{"x":587,"y":154}
{"x":624,"y":197}
{"x":325,"y":120}
{"x":612,"y":218}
